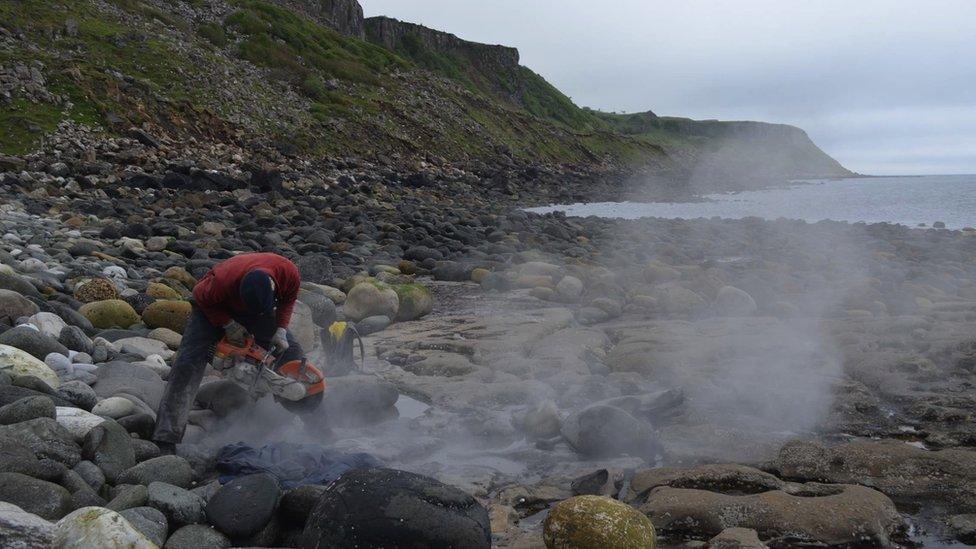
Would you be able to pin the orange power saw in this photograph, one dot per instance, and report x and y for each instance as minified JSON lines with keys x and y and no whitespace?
{"x":296,"y":384}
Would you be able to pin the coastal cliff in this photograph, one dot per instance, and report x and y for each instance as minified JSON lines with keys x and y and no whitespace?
{"x":315,"y":78}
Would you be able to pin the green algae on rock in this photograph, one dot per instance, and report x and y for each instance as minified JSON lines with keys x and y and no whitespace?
{"x":596,"y":522}
{"x":109,"y":313}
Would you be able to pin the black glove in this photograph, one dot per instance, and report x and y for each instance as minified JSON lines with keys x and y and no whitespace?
{"x":235,"y":333}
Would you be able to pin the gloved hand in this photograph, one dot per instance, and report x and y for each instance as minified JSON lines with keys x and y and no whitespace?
{"x":235,"y":333}
{"x":280,"y":340}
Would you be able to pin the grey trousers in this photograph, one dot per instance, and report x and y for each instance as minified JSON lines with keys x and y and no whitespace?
{"x":196,"y":350}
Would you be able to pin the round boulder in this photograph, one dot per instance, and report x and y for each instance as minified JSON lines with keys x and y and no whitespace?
{"x":96,"y":289}
{"x":172,"y":470}
{"x":195,"y":536}
{"x":595,"y":522}
{"x":607,"y":431}
{"x":33,"y":341}
{"x":17,"y":362}
{"x":245,"y":505}
{"x":170,"y":314}
{"x":13,"y":305}
{"x":44,"y":499}
{"x":98,"y":527}
{"x":149,"y":521}
{"x":415,"y":301}
{"x":316,"y":268}
{"x":368,"y":299}
{"x":109,"y":313}
{"x":732,"y":301}
{"x":18,"y":528}
{"x":180,"y":275}
{"x":162,"y":291}
{"x":389,"y":508}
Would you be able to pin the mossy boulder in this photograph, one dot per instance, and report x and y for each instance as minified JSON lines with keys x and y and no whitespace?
{"x":181,"y":275}
{"x":96,"y":289}
{"x":162,"y":291}
{"x":478,"y":274}
{"x":167,"y":313}
{"x":415,"y":301}
{"x":109,"y":313}
{"x":596,"y":522}
{"x":371,"y":298}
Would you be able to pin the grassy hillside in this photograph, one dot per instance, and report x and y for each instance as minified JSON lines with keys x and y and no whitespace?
{"x":255,"y":71}
{"x":737,"y":151}
{"x":263,"y":72}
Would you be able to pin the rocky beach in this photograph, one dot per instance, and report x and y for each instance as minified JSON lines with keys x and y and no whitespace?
{"x":816,"y":378}
{"x":527,"y":380}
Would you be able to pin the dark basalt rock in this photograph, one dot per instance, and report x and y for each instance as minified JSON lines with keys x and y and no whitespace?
{"x":244,"y":506}
{"x":390,"y":508}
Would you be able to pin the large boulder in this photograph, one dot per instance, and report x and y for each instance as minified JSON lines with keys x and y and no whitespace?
{"x":946,"y":477}
{"x":244,"y":506}
{"x":385,"y":507}
{"x":168,"y":313}
{"x":179,"y":505}
{"x":596,"y":522}
{"x":98,"y":527}
{"x":109,"y":446}
{"x":323,"y":309}
{"x":680,"y":301}
{"x":27,"y":338}
{"x":27,"y":408}
{"x":172,"y":470}
{"x":162,"y":291}
{"x":368,"y":299}
{"x":46,"y":438}
{"x":16,"y":457}
{"x":197,"y":536}
{"x":96,"y":289}
{"x":302,"y":326}
{"x":129,"y":379}
{"x":148,"y":521}
{"x":732,"y":301}
{"x":415,"y":301}
{"x":180,"y":275}
{"x":22,"y":530}
{"x":13,"y":305}
{"x":49,"y":324}
{"x":44,"y":499}
{"x":315,"y":268}
{"x":831,"y":515}
{"x":77,"y":421}
{"x":21,"y":363}
{"x":356,"y":400}
{"x":607,"y":431}
{"x":109,"y":313}
{"x":143,"y":347}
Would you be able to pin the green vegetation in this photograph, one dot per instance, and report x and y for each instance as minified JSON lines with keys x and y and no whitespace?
{"x":121,"y":63}
{"x":543,"y":100}
{"x":213,"y":33}
{"x":296,"y":48}
{"x":446,"y":64}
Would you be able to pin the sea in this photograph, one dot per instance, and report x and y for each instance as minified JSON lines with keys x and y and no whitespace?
{"x":915,"y":201}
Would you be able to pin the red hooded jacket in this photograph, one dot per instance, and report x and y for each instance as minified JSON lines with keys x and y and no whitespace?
{"x":218,"y":293}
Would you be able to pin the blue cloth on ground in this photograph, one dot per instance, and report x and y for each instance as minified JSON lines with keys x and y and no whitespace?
{"x":291,"y":463}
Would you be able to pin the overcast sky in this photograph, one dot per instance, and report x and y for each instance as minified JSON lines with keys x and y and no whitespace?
{"x":884,"y":86}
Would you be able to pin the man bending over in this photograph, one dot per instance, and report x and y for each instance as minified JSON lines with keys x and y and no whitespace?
{"x":247,"y":294}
